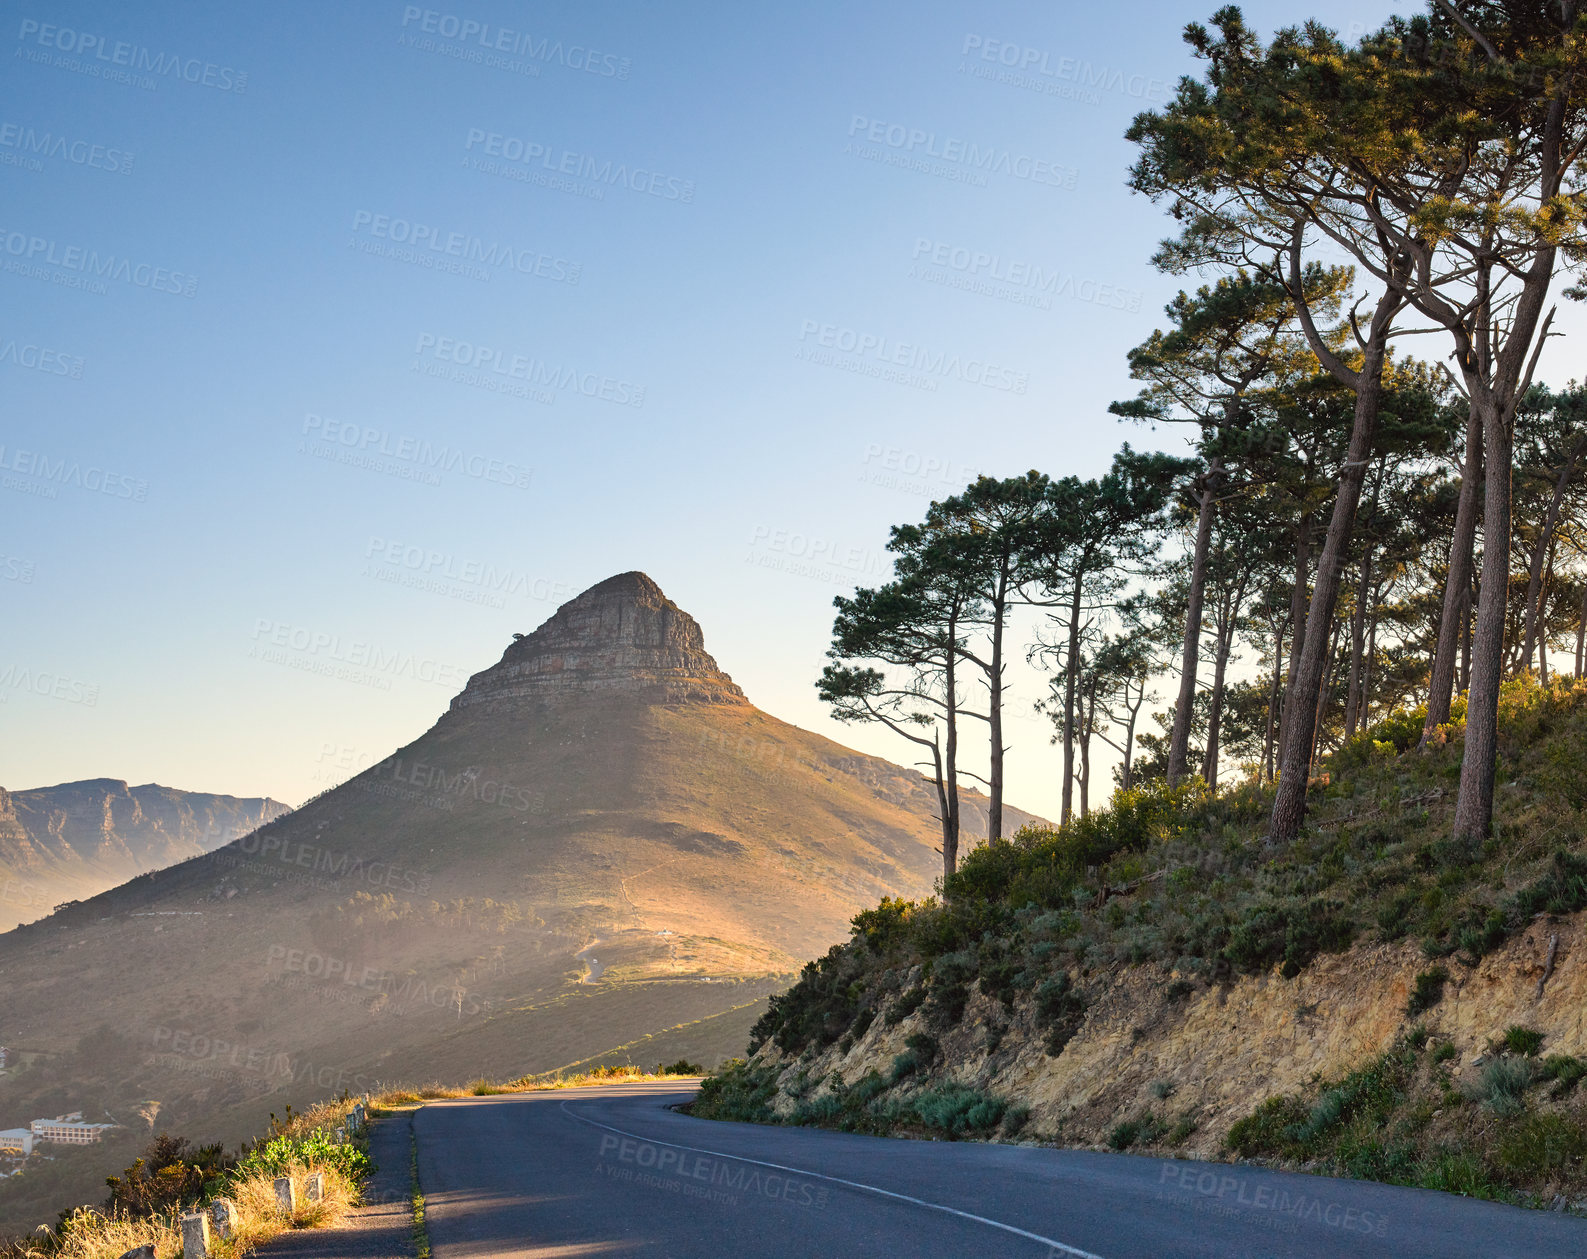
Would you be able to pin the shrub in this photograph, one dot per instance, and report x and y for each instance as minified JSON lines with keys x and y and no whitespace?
{"x":905,"y":1065}
{"x":1523,"y":1041}
{"x":1124,"y":1135}
{"x":171,"y":1174}
{"x":278,"y":1155}
{"x":1502,"y":1085}
{"x":905,"y":1006}
{"x":955,"y":1110}
{"x":1428,"y":992}
{"x":1541,"y":1145}
{"x":1564,"y":1070}
{"x":1015,"y":1118}
{"x":736,"y":1090}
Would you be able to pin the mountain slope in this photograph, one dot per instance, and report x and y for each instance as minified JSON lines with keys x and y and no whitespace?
{"x":602,"y":839}
{"x":76,"y":839}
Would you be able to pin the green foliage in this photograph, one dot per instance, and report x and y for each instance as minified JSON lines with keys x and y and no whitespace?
{"x":1042,"y":865}
{"x":737,"y":1091}
{"x":275,"y":1156}
{"x":956,"y":1111}
{"x":1502,"y":1085}
{"x":1059,"y":1007}
{"x":1290,"y":932}
{"x":1543,"y":1145}
{"x":1428,"y":992}
{"x":1564,"y":1069}
{"x":172,"y":1173}
{"x":1523,"y":1041}
{"x":905,"y":1006}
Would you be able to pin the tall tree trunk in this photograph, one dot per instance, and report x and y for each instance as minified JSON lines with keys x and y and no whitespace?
{"x":994,"y":785}
{"x":1289,"y":801}
{"x":950,"y":829}
{"x":1366,"y":671}
{"x":1272,"y":702}
{"x":1215,"y":707}
{"x":1128,"y":779}
{"x":1474,"y":800}
{"x":1457,"y":585}
{"x":1358,"y":646}
{"x":1085,"y":749}
{"x":1325,"y":693}
{"x":1545,"y":544}
{"x":1581,"y":630}
{"x":1071,"y":677}
{"x":1179,"y":742}
{"x":1468,"y":602}
{"x":1300,"y":600}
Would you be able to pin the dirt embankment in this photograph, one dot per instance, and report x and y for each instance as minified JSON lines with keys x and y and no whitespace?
{"x":1219,"y":1051}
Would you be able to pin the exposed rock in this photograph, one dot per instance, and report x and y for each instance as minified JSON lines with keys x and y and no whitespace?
{"x":622,"y":636}
{"x":1224,"y":1050}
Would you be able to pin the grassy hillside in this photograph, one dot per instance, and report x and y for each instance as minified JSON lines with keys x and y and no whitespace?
{"x":1374,"y":979}
{"x":436,"y":917}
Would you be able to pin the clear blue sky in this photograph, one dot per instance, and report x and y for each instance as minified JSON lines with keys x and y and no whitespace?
{"x":215,"y":506}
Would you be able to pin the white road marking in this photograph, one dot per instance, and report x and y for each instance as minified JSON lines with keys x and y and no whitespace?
{"x":852,"y":1184}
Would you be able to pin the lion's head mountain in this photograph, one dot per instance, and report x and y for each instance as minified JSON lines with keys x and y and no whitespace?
{"x":601,"y":850}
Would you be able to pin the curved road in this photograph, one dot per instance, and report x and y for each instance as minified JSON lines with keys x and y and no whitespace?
{"x":613,"y":1171}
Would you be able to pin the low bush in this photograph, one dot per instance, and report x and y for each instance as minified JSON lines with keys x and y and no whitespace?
{"x":1502,"y":1085}
{"x":1428,"y":992}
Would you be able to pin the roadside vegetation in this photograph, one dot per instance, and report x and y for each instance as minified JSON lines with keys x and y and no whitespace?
{"x":1190,"y":881}
{"x":174,"y":1178}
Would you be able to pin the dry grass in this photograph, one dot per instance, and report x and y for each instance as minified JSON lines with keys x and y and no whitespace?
{"x":91,"y":1234}
{"x":397,"y":1098}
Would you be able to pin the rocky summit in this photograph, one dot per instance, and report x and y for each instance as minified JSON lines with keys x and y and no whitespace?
{"x":623,"y":636}
{"x":600,"y":852}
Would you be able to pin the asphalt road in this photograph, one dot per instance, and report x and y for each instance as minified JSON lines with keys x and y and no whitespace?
{"x":613,"y":1172}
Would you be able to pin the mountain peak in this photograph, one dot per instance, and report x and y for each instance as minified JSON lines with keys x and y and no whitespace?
{"x":622,"y":636}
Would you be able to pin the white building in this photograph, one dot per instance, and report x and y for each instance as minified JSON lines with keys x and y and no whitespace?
{"x":16,"y":1141}
{"x":68,"y":1130}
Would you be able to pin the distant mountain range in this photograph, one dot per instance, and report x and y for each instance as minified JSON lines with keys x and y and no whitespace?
{"x":77,"y":839}
{"x":602,"y":850}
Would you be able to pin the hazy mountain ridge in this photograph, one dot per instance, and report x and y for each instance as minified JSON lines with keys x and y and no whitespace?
{"x":79,"y":838}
